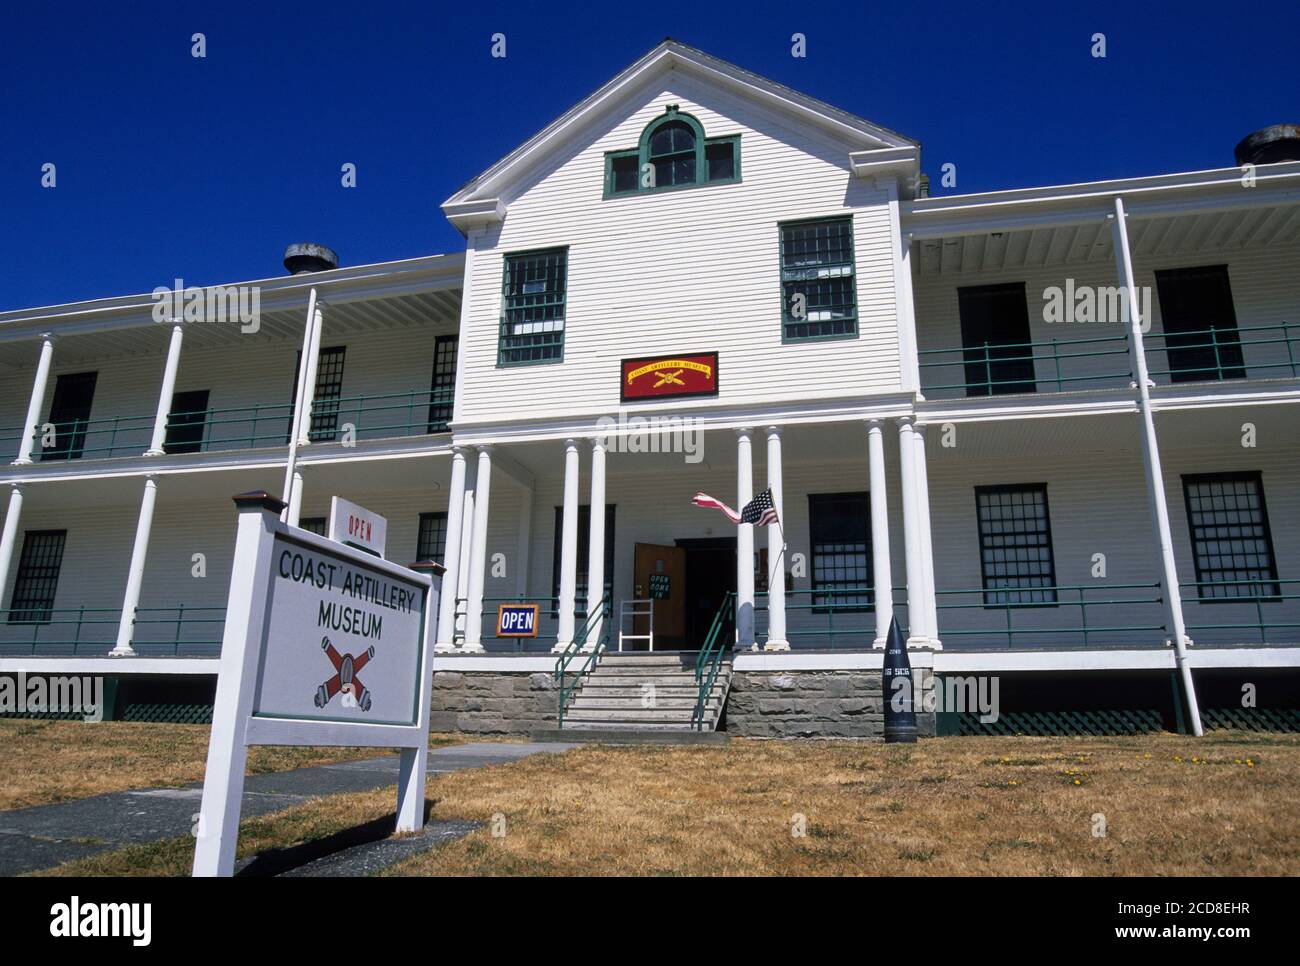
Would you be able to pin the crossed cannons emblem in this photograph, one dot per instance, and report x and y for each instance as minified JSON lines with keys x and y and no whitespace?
{"x":345,"y":679}
{"x":669,"y":378}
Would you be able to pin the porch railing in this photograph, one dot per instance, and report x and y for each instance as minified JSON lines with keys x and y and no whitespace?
{"x":720,"y":640}
{"x":570,"y":679}
{"x":548,"y":608}
{"x":234,"y":427}
{"x":179,"y":631}
{"x":381,"y":415}
{"x":66,"y":631}
{"x":1220,"y":354}
{"x":182,"y":631}
{"x":98,"y":438}
{"x":828,"y":617}
{"x":1082,"y":619}
{"x":1265,"y":600}
{"x":995,"y":368}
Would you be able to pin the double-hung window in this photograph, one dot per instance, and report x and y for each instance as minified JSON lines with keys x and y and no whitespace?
{"x":818,"y":293}
{"x":840,"y":531}
{"x":1231,"y":543}
{"x":38,"y":577}
{"x":1015,"y":545}
{"x":532,"y":307}
{"x":431,"y":543}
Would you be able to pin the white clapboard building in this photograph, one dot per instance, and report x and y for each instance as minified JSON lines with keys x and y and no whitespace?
{"x":1051,"y":431}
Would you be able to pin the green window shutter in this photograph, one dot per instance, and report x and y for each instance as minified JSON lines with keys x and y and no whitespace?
{"x":533,"y":291}
{"x":818,"y":291}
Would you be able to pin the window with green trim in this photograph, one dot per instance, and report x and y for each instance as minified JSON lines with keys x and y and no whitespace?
{"x":818,"y":292}
{"x":532,"y":307}
{"x":672,"y":153}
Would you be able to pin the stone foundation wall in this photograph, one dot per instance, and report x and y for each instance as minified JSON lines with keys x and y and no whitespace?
{"x":815,"y":704}
{"x":493,"y":702}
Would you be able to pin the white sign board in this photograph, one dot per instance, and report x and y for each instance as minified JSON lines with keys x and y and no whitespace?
{"x":324,"y":645}
{"x":356,"y":526}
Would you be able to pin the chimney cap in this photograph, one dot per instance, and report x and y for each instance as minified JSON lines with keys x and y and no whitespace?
{"x":1279,"y":142}
{"x":305,"y":257}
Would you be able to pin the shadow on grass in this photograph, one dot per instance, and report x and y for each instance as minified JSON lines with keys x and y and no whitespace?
{"x":279,"y":861}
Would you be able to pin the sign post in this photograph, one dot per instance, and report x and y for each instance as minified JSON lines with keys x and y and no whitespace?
{"x":307,"y":622}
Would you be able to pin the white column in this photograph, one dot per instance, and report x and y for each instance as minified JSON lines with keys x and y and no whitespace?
{"x":917,"y":610}
{"x":294,"y":512}
{"x":1151,"y":464}
{"x":9,"y":536}
{"x":166,"y":392}
{"x":451,"y":553}
{"x":295,"y":424}
{"x":744,"y":543}
{"x":466,"y":555}
{"x":37,"y":400}
{"x":776,"y":633}
{"x":881,"y":576}
{"x":135,"y":575}
{"x":927,"y":544}
{"x":478,"y":553}
{"x":596,"y":546}
{"x":312,"y":363}
{"x":568,"y":548}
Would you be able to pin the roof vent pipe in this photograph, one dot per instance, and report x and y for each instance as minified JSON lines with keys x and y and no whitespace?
{"x":1269,"y":145}
{"x":306,"y":257}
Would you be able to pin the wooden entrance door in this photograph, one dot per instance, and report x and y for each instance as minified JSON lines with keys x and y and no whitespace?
{"x":660,"y":575}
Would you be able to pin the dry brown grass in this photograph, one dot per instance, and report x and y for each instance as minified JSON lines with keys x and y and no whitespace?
{"x":1224,"y":805}
{"x":54,"y":761}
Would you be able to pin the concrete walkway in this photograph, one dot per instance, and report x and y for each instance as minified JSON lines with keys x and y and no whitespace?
{"x":47,"y":835}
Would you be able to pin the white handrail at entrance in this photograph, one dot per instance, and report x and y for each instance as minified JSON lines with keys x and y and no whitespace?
{"x":635,"y":609}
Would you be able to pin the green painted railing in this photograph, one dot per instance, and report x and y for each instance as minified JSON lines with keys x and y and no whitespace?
{"x":570,"y":680}
{"x":210,"y":622}
{"x":76,"y":631}
{"x":237,"y":427}
{"x":1052,"y":599}
{"x":1260,"y":595}
{"x":99,"y":438}
{"x":1228,"y":347}
{"x":829,"y":608}
{"x":391,"y":414}
{"x":1052,"y":362}
{"x":720,"y":640}
{"x":66,"y":627}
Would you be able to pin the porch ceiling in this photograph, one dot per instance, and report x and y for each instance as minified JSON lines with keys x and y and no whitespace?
{"x":438,"y":309}
{"x":1048,"y":245}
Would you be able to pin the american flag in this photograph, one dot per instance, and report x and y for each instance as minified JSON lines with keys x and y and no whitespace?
{"x":760,"y":511}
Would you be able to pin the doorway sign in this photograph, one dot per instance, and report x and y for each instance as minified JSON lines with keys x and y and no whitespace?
{"x":324,"y":645}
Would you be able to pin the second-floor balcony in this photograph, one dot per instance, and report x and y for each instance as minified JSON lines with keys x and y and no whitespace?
{"x":994,"y":368}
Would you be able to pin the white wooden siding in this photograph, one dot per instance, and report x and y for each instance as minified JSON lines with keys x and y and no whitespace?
{"x":696,"y":269}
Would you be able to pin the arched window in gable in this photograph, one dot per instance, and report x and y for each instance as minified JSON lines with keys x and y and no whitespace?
{"x":672,"y":153}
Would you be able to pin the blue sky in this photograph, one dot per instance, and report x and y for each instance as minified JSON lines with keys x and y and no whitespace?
{"x":171,"y":166}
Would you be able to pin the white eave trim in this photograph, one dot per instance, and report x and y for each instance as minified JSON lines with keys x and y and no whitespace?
{"x":1181,"y":193}
{"x":468,"y":215}
{"x":902,"y":164}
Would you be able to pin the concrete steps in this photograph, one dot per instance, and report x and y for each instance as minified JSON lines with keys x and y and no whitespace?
{"x":613,"y":698}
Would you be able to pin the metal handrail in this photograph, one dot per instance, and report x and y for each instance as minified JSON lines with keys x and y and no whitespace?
{"x":279,"y":413}
{"x":989,"y":602}
{"x":970,"y":357}
{"x":709,"y":661}
{"x":1231,"y":339}
{"x":829,"y":601}
{"x":70,"y":436}
{"x":1268,"y":592}
{"x":184,"y":616}
{"x":81,"y":621}
{"x":575,"y":649}
{"x":411,"y":401}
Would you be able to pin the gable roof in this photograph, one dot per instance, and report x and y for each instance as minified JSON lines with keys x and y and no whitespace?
{"x":478,"y":200}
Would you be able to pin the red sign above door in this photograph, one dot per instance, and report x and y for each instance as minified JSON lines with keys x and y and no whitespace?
{"x":653,"y":377}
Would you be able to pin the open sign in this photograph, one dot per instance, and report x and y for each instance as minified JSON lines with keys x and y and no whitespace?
{"x":517,"y":620}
